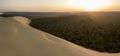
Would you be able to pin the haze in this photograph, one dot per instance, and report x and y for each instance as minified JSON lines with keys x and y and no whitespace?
{"x":59,"y":5}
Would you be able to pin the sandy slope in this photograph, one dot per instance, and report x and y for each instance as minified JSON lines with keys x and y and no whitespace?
{"x":17,"y":38}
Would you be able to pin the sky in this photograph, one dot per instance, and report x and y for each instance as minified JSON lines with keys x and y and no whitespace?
{"x":58,"y":5}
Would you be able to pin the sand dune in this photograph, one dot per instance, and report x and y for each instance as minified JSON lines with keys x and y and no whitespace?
{"x":17,"y":38}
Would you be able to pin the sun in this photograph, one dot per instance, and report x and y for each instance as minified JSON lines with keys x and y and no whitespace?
{"x":90,"y":5}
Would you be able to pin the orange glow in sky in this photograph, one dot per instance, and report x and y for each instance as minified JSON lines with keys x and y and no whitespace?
{"x":59,"y":5}
{"x":91,"y":5}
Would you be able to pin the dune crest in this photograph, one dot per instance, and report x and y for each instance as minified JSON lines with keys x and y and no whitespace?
{"x":17,"y":39}
{"x":22,"y":20}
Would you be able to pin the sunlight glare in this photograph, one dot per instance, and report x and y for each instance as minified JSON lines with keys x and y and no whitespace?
{"x":90,"y":5}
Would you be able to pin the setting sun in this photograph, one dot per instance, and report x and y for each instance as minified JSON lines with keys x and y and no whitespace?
{"x":59,"y":5}
{"x":91,"y":5}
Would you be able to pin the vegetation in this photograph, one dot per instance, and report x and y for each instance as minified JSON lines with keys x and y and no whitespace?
{"x":95,"y":30}
{"x":84,"y":30}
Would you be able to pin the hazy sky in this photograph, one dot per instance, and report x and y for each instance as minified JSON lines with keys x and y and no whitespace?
{"x":50,"y":5}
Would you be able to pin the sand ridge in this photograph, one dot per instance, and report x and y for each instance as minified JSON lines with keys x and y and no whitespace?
{"x":19,"y":39}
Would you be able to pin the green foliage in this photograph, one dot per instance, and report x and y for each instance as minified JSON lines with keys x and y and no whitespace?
{"x":83,"y":30}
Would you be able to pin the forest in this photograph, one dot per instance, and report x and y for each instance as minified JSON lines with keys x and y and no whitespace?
{"x":99,"y":31}
{"x":98,"y":34}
